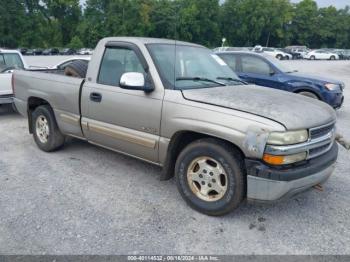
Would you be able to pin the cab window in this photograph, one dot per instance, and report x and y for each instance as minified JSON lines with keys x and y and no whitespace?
{"x":11,"y":60}
{"x":255,"y":65}
{"x":117,"y":61}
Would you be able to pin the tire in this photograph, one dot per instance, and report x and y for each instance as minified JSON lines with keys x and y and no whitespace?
{"x":309,"y":94}
{"x":279,"y":57}
{"x":332,"y":57}
{"x":232,"y":176}
{"x":51,"y":139}
{"x":287,"y":58}
{"x":312,"y":57}
{"x":76,"y":69}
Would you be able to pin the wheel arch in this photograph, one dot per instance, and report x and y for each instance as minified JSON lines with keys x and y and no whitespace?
{"x":308,"y":89}
{"x":179,"y":141}
{"x":32,"y":103}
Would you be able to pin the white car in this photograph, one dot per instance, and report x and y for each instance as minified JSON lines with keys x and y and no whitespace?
{"x":62,"y":65}
{"x":85,"y":51}
{"x":321,"y":54}
{"x":273,"y":52}
{"x":9,"y":60}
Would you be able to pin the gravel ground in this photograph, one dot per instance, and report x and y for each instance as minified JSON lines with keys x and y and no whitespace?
{"x":87,"y":200}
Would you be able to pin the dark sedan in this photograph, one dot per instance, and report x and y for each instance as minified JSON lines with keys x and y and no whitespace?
{"x":267,"y":71}
{"x":51,"y":51}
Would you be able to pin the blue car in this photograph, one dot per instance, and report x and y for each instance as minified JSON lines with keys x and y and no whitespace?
{"x":264,"y":70}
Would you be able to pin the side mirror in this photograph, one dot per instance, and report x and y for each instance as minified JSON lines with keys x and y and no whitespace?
{"x":135,"y":81}
{"x":272,"y":72}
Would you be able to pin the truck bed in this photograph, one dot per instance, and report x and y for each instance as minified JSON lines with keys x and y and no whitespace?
{"x":62,"y":92}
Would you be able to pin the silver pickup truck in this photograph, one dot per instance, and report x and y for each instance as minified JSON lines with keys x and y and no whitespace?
{"x":179,"y":106}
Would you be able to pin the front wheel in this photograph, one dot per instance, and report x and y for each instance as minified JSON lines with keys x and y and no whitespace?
{"x":309,"y":94}
{"x":332,"y":57}
{"x":46,"y":134}
{"x":210,"y":176}
{"x":279,"y":57}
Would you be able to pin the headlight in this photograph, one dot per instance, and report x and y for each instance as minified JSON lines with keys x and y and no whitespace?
{"x":332,"y":87}
{"x":287,"y":138}
{"x":284,"y":160}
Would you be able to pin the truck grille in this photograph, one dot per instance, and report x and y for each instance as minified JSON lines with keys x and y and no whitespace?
{"x":321,"y":131}
{"x":325,"y":134}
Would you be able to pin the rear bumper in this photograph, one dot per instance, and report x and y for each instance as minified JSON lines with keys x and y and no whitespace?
{"x":6,"y":99}
{"x":267,"y":183}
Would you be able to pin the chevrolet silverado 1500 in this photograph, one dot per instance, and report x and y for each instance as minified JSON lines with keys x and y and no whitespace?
{"x":179,"y":106}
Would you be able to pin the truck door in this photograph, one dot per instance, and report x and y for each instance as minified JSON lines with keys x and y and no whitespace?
{"x":124,"y":120}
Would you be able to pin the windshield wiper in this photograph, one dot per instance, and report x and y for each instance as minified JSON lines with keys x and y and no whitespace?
{"x":293,"y":71}
{"x":197,"y":78}
{"x":231,"y":79}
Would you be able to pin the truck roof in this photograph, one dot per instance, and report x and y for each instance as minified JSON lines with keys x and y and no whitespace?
{"x":148,"y":40}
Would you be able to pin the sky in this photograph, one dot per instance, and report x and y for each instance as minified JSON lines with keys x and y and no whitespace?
{"x":321,"y":3}
{"x":325,"y":3}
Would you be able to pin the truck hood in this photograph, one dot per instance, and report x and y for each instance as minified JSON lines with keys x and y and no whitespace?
{"x":292,"y":110}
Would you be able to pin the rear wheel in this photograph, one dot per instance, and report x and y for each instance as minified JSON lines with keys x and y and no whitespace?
{"x":332,"y":57}
{"x":312,"y":57}
{"x":45,"y":130}
{"x":210,"y":176}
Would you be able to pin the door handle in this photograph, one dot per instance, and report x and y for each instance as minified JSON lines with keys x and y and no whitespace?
{"x":95,"y":97}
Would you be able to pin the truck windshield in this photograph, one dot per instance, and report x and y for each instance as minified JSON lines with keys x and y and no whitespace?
{"x":189,"y":67}
{"x":10,"y":60}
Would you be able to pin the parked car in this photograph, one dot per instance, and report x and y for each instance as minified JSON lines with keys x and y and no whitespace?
{"x":346,"y":54}
{"x":273,"y":52}
{"x":179,"y":106}
{"x":9,"y":60}
{"x":37,"y":51}
{"x":343,"y":54}
{"x":23,"y":50}
{"x":67,"y":51}
{"x":30,"y":52}
{"x":321,"y":54}
{"x":294,"y":55}
{"x":266,"y":71}
{"x":85,"y":51}
{"x":231,"y":48}
{"x":63,"y":64}
{"x":51,"y":51}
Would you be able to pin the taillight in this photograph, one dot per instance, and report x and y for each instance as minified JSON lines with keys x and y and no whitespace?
{"x":13,"y":83}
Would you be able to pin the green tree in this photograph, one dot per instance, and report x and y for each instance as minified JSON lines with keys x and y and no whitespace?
{"x":64,"y":16}
{"x":12,"y":21}
{"x":76,"y":43}
{"x":305,"y":23}
{"x":197,"y":21}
